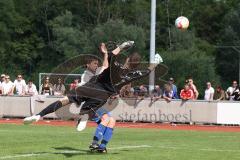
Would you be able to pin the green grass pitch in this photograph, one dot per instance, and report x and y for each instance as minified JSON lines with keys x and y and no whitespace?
{"x":21,"y":142}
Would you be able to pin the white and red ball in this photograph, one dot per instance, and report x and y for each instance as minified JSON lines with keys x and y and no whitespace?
{"x":182,"y":23}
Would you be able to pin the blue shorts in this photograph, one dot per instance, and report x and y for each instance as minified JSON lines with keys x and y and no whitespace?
{"x":99,"y":113}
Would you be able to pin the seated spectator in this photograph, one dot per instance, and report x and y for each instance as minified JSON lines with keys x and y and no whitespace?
{"x":186,"y":93}
{"x":157,"y":93}
{"x":143,"y":92}
{"x":174,"y":87}
{"x":193,"y":88}
{"x":20,"y":85}
{"x":168,"y":93}
{"x":7,"y":86}
{"x":46,"y":88}
{"x":74,"y":84}
{"x":219,"y":94}
{"x":230,"y":90}
{"x":59,"y":88}
{"x":126,"y":91}
{"x":209,"y":92}
{"x":31,"y":89}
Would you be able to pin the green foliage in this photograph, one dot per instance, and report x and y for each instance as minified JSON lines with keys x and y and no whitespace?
{"x":117,"y":31}
{"x":191,"y":57}
{"x":228,"y":52}
{"x":68,"y":40}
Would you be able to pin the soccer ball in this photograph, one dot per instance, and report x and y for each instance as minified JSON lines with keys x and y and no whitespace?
{"x":182,"y":23}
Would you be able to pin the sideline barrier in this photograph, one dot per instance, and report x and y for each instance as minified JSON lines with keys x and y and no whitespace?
{"x":161,"y":111}
{"x":15,"y":106}
{"x":223,"y":112}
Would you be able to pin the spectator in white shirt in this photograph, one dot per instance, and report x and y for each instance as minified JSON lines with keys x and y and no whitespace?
{"x":230,"y":90}
{"x":7,"y":86}
{"x":20,"y":85}
{"x":209,"y":92}
{"x":31,"y":89}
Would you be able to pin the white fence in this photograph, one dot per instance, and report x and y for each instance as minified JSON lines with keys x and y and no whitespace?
{"x":223,"y":112}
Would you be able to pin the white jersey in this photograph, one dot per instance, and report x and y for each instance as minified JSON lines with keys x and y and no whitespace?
{"x":87,"y":75}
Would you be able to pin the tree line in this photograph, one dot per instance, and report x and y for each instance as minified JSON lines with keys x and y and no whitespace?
{"x":38,"y":35}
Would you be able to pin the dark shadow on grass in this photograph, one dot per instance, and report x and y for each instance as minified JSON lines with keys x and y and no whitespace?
{"x":70,"y":152}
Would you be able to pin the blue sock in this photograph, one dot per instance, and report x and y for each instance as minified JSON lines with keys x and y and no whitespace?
{"x":106,"y":137}
{"x":98,"y":133}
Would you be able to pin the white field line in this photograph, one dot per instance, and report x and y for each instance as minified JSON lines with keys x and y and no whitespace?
{"x":68,"y":151}
{"x":129,"y":147}
{"x":22,"y":155}
{"x":198,"y":149}
{"x":222,"y":136}
{"x":119,"y":148}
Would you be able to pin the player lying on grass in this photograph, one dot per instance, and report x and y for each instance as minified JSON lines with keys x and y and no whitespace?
{"x":96,"y":92}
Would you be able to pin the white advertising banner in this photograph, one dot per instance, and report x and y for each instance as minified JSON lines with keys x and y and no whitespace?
{"x":228,"y":113}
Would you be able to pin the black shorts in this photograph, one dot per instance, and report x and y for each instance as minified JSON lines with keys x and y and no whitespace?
{"x":94,"y":96}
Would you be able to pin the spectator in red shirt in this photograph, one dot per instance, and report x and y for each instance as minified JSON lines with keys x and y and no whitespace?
{"x":186,"y":93}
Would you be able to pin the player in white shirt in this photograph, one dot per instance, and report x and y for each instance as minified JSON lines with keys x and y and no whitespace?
{"x":209,"y":92}
{"x":20,"y":85}
{"x":93,"y":69}
{"x":7,"y":86}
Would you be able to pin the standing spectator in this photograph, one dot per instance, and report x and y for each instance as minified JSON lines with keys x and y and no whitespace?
{"x":7,"y":86}
{"x":46,"y":88}
{"x":31,"y":89}
{"x":219,"y":94}
{"x":186,"y":93}
{"x":157,"y":93}
{"x":74,"y":84}
{"x":174,"y":88}
{"x":20,"y":85}
{"x":168,"y":93}
{"x":59,"y":88}
{"x":193,"y":88}
{"x":209,"y":92}
{"x":230,"y":90}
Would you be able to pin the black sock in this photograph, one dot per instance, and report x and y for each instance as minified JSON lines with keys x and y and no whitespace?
{"x":51,"y":108}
